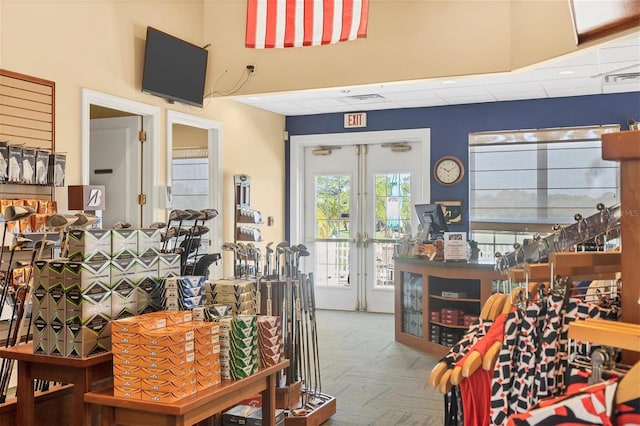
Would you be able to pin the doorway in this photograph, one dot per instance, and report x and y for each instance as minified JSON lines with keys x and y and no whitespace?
{"x":353,"y":203}
{"x":191,"y":142}
{"x":141,"y":165}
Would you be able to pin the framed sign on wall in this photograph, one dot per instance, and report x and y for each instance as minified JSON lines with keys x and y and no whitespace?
{"x":452,"y":210}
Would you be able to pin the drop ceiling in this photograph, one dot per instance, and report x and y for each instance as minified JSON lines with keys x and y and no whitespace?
{"x":612,"y":67}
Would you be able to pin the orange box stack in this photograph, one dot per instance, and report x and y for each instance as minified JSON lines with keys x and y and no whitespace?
{"x":164,"y":356}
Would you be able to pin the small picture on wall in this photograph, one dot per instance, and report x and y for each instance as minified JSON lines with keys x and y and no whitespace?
{"x":452,"y":210}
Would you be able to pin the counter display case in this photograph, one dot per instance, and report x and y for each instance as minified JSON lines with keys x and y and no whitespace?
{"x":436,"y":301}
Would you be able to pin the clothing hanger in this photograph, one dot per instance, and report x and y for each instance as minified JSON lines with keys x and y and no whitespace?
{"x":436,"y":374}
{"x":629,"y":386}
{"x":502,"y":305}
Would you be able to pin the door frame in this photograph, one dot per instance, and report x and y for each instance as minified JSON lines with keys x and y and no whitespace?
{"x":296,"y":163}
{"x":214,"y":149}
{"x":151,"y":126}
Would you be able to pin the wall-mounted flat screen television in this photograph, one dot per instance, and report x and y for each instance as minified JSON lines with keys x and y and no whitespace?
{"x":174,"y":69}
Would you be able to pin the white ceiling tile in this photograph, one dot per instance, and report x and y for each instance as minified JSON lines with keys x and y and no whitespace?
{"x":461,"y":91}
{"x":622,"y":88}
{"x":470,"y":99}
{"x":572,"y":91}
{"x":416,"y":103}
{"x":586,"y":82}
{"x":531,"y":86}
{"x":619,"y":54}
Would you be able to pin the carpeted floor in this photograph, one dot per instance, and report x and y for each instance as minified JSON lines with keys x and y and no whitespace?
{"x":376,"y":381}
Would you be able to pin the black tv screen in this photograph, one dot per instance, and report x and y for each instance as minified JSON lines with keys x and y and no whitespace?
{"x":174,"y":69}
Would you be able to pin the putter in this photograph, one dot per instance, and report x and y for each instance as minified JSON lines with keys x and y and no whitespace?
{"x":13,"y":214}
{"x":18,"y":243}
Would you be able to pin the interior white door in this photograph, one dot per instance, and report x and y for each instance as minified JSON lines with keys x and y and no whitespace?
{"x":393,"y":180}
{"x":115,"y":163}
{"x":330,"y":203}
{"x":358,"y":202}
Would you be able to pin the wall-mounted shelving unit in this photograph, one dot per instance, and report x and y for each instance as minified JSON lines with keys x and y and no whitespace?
{"x":245,"y":216}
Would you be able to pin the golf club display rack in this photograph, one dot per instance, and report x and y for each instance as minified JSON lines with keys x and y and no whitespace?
{"x":286,"y":292}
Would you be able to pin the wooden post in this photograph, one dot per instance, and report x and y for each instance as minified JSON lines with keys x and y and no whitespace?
{"x":625,"y":147}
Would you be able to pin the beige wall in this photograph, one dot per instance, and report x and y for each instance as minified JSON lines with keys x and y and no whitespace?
{"x":406,"y":40}
{"x":254,"y":146}
{"x":187,"y":137}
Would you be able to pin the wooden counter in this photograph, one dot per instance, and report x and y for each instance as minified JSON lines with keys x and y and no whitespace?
{"x":190,"y":410}
{"x":419,"y":287}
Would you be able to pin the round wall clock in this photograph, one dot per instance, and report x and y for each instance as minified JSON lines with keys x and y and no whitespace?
{"x":448,"y":170}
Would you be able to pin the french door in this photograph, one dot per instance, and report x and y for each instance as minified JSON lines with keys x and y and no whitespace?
{"x":357,"y":200}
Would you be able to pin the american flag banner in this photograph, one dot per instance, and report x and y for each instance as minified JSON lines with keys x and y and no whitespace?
{"x":295,"y":23}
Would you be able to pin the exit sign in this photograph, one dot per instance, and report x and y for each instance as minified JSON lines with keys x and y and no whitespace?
{"x":355,"y":119}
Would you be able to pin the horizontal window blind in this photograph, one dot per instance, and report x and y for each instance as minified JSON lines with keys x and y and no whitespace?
{"x":528,"y":179}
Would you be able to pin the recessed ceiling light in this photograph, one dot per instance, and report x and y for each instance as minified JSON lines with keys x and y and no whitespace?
{"x":254,"y":98}
{"x":345,"y":91}
{"x":566,"y":72}
{"x":449,"y":82}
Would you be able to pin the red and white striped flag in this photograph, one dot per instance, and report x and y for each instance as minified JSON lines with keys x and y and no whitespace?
{"x":294,"y":23}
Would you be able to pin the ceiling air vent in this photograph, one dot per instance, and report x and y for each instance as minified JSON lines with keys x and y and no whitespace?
{"x":372,"y":98}
{"x":627,"y":77}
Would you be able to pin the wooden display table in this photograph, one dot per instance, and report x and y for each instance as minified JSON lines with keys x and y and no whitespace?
{"x":83,"y":373}
{"x":190,"y":410}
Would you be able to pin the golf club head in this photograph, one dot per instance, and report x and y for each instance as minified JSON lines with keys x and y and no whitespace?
{"x":268,"y":248}
{"x":303,"y":253}
{"x":195,"y":214}
{"x":165,"y":236}
{"x":158,"y":225}
{"x":56,"y":221}
{"x":82,"y":219}
{"x":71,"y":219}
{"x":302,"y":247}
{"x":121,"y":225}
{"x":13,"y":213}
{"x":19,"y":242}
{"x":85,"y":220}
{"x":179,"y":215}
{"x":199,"y":230}
{"x":180,"y":232}
{"x":283,"y":244}
{"x":43,"y":243}
{"x":229,"y":247}
{"x":209,"y":214}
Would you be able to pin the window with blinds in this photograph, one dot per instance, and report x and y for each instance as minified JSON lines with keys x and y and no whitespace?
{"x":524,"y":181}
{"x":190,"y":179}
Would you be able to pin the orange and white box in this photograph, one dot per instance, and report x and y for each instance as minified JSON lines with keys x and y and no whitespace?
{"x":125,"y":338}
{"x":185,"y":372}
{"x":130,"y":393}
{"x":164,"y":397}
{"x":126,"y":381}
{"x":176,"y":351}
{"x":122,"y":359}
{"x":205,"y":351}
{"x":125,"y":370}
{"x":124,"y":349}
{"x":138,"y":324}
{"x":207,"y":362}
{"x":205,"y":328}
{"x":168,"y":336}
{"x":174,"y":317}
{"x":167,"y":363}
{"x":172,"y":386}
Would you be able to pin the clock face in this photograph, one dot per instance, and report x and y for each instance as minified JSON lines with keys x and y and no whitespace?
{"x":448,"y":171}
